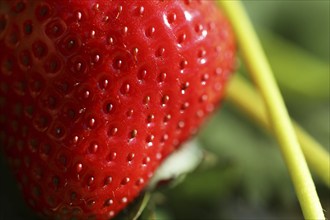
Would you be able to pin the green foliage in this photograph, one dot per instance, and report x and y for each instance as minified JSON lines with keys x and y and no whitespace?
{"x":300,"y":74}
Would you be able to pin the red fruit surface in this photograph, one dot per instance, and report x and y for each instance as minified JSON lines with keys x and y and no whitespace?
{"x":95,"y":94}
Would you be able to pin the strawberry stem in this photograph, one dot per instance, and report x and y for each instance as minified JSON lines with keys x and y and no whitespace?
{"x":259,"y":69}
{"x":252,"y":105}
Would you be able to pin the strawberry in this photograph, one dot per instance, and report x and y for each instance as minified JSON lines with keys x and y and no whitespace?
{"x":94,"y":95}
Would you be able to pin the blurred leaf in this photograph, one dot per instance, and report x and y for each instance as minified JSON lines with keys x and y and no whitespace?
{"x":315,"y":119}
{"x":263,"y":13}
{"x":262,"y":173}
{"x":304,"y":23}
{"x":299,"y":74}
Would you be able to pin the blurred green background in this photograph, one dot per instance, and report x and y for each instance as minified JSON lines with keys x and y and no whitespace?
{"x":243,"y":175}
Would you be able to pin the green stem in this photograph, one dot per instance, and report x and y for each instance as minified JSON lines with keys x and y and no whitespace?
{"x":252,"y":105}
{"x":262,"y":75}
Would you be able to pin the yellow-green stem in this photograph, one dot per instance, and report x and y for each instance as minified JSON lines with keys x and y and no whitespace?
{"x":252,"y":105}
{"x":261,"y":73}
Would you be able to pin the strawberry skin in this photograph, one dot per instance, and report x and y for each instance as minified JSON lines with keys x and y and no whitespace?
{"x":94,"y":95}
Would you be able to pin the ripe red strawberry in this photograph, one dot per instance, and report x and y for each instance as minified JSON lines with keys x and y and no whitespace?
{"x":94,"y":94}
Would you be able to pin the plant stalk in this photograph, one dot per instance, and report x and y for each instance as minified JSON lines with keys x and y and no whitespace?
{"x":260,"y":71}
{"x":252,"y":105}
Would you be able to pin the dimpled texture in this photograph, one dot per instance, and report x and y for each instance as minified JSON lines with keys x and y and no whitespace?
{"x":94,"y":95}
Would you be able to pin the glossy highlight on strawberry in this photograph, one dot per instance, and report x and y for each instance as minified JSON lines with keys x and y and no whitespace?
{"x":95,"y":94}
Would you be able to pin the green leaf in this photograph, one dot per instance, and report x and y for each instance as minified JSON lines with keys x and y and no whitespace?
{"x":299,"y":74}
{"x":261,"y":170}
